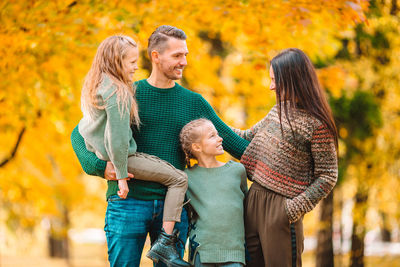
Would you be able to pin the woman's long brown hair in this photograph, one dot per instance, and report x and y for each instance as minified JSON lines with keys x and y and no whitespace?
{"x":297,"y":85}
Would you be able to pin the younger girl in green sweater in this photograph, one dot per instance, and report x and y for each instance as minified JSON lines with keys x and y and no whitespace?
{"x":109,"y":107}
{"x":216,"y":192}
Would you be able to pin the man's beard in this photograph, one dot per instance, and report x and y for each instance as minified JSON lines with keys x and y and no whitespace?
{"x":170,"y":74}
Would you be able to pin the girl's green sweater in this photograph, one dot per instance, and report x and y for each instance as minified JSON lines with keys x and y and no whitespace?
{"x":107,"y":132}
{"x":216,"y":195}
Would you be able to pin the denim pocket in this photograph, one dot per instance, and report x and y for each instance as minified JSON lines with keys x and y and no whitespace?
{"x":114,"y":198}
{"x":128,"y":216}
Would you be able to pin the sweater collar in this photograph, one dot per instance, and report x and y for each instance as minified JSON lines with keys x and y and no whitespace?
{"x":160,"y":90}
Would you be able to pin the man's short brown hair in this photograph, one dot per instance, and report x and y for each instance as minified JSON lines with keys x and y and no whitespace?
{"x":158,"y":39}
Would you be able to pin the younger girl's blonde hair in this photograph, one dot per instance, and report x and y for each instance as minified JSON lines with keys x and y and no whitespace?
{"x":191,"y":133}
{"x":109,"y":60}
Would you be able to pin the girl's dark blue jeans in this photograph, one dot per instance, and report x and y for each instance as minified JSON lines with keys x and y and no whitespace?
{"x":127,"y":223}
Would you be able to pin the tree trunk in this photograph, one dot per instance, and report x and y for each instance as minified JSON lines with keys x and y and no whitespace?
{"x":58,"y":247}
{"x":324,"y":253}
{"x":339,"y":254}
{"x":58,"y":237}
{"x":357,"y":246}
{"x":393,"y":8}
{"x":385,"y":230}
{"x":358,"y":235}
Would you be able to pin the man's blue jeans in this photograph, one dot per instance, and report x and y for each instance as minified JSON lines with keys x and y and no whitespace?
{"x":127,"y":223}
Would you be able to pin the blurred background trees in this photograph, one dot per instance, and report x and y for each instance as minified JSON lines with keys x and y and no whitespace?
{"x":47,"y":48}
{"x":367,"y":116}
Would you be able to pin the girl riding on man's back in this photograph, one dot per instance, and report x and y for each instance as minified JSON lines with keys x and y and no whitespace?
{"x":216,"y":192}
{"x":109,"y":108}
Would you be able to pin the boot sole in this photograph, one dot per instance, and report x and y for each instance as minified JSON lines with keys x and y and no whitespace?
{"x":156,"y":258}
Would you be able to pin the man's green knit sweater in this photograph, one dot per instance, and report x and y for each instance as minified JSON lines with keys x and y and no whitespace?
{"x":163,"y":113}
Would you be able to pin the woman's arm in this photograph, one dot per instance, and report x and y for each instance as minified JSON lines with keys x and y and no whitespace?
{"x":245,"y":134}
{"x":250,"y":133}
{"x":325,"y":173}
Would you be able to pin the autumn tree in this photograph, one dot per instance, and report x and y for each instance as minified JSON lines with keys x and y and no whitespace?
{"x":46,"y":51}
{"x":47,"y":48}
{"x":376,"y":49}
{"x":367,"y":116}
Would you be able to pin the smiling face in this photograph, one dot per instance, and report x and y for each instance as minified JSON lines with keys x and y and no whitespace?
{"x":172,"y":61}
{"x":210,"y":143}
{"x":129,"y":62}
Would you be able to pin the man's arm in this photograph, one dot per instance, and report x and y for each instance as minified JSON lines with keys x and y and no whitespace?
{"x":234,"y":144}
{"x":90,"y":163}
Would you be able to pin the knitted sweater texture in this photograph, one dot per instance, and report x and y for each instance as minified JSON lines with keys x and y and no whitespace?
{"x":107,"y":132}
{"x":163,"y":113}
{"x":216,"y":195}
{"x":302,"y":167}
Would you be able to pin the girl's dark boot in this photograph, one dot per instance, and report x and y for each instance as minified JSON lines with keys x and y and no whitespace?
{"x":164,"y":249}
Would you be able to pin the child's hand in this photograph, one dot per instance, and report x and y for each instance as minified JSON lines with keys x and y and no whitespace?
{"x":110,"y":174}
{"x":123,"y":188}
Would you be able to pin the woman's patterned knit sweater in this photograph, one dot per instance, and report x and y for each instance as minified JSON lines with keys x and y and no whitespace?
{"x":302,"y":167}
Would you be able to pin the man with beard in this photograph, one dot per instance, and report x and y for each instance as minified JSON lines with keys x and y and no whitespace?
{"x":164,"y":108}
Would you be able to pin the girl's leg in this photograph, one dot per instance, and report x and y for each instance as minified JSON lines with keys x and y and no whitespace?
{"x":156,"y":224}
{"x":151,"y":168}
{"x":168,"y":226}
{"x":198,"y":263}
{"x":230,"y":264}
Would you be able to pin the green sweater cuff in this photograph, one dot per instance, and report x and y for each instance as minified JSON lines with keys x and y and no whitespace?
{"x":100,"y":167}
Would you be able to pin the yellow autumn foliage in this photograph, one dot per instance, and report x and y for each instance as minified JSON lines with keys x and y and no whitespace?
{"x":47,"y":47}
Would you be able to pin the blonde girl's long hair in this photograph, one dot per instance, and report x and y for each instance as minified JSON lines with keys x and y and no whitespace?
{"x":191,"y":133}
{"x":109,"y":61}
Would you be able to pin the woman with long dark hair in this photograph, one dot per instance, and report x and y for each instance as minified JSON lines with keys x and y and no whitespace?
{"x":292,"y":161}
